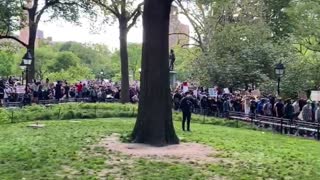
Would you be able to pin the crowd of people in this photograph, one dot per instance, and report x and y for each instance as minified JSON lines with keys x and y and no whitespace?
{"x":12,"y":90}
{"x":222,"y":104}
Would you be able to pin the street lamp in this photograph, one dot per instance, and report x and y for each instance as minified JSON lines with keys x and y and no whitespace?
{"x":26,"y":62}
{"x":279,"y":71}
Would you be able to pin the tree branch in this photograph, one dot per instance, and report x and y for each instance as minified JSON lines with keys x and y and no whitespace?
{"x":24,"y":7}
{"x":46,"y":6}
{"x":185,"y":34}
{"x":114,"y":11}
{"x":136,"y":11}
{"x":14,"y":38}
{"x":193,"y":23}
{"x":135,"y":15}
{"x":184,"y":45}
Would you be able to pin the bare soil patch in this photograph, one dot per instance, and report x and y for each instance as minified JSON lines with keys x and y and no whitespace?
{"x":184,"y":152}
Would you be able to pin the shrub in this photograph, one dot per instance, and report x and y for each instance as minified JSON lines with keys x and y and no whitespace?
{"x":89,"y":115}
{"x":4,"y":116}
{"x":68,"y":115}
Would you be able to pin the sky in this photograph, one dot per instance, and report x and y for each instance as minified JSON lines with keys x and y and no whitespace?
{"x":64,"y":31}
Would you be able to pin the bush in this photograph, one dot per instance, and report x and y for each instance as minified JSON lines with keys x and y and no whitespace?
{"x":4,"y":117}
{"x":89,"y":115}
{"x":108,"y":114}
{"x":68,"y":115}
{"x":91,"y":111}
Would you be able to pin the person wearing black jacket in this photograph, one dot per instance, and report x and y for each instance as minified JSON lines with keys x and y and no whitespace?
{"x":186,"y":108}
{"x":176,"y":100}
{"x":58,"y":91}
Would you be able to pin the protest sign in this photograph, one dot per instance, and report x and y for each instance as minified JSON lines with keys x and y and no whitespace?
{"x":185,"y":89}
{"x":20,"y":89}
{"x":226,"y":90}
{"x":315,"y":96}
{"x":213,"y":92}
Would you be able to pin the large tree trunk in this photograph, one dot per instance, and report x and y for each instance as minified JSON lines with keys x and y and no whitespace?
{"x":33,"y":28}
{"x":154,"y":124}
{"x":124,"y":62}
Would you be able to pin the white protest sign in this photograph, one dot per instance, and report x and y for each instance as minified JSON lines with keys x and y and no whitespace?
{"x":20,"y":89}
{"x":195,"y":93}
{"x":226,"y":90}
{"x":315,"y":96}
{"x":185,"y":89}
{"x":213,"y":92}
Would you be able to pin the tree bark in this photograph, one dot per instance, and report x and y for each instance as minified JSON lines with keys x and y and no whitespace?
{"x":31,"y":48}
{"x":33,"y":28}
{"x":125,"y":97}
{"x":154,"y":124}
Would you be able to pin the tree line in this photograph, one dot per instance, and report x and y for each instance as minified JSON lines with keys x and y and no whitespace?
{"x":235,"y":44}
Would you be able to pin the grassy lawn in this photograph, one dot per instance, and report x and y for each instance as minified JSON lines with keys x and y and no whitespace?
{"x":61,"y":151}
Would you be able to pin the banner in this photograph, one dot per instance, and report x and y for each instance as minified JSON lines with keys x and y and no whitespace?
{"x":315,"y":96}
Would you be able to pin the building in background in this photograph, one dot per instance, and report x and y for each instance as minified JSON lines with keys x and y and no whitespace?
{"x":177,"y":27}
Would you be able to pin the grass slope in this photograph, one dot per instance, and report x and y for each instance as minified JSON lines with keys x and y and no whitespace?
{"x":60,"y":151}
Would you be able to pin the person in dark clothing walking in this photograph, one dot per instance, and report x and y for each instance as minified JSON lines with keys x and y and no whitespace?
{"x":66,"y":89}
{"x":58,"y":91}
{"x":186,"y":108}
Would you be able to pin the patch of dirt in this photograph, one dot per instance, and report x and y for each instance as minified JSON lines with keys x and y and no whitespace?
{"x":192,"y":153}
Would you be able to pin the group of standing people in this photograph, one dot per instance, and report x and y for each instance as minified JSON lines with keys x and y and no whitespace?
{"x":188,"y":102}
{"x":93,"y":91}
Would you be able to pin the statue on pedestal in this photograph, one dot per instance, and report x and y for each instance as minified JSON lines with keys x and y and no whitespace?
{"x":172,"y":59}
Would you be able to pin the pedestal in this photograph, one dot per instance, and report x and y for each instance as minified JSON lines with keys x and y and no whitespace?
{"x":173,"y":79}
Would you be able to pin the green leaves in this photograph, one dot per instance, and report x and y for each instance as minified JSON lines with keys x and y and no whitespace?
{"x":10,"y":16}
{"x":6,"y":64}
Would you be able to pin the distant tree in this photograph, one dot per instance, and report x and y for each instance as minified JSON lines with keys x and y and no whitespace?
{"x":45,"y":57}
{"x":96,"y":57}
{"x":64,"y":61}
{"x":127,"y":14}
{"x":6,"y":64}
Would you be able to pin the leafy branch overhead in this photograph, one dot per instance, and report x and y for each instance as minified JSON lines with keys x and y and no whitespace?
{"x":126,"y":11}
{"x":13,"y":12}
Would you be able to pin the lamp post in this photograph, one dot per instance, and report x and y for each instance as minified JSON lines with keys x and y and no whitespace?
{"x":26,"y":62}
{"x":279,"y":71}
